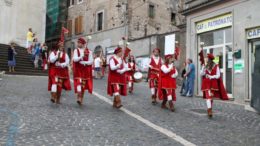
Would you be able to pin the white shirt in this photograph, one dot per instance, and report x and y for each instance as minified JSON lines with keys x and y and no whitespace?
{"x":166,"y":70}
{"x":78,"y":57}
{"x":113,"y":65}
{"x":53,"y":58}
{"x":97,"y":62}
{"x":203,"y":73}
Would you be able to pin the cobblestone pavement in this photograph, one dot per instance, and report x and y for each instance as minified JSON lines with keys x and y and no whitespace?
{"x":29,"y":119}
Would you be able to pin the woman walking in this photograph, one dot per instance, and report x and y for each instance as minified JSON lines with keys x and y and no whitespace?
{"x":11,"y":57}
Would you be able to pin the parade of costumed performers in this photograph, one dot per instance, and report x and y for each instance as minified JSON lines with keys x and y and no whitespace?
{"x":212,"y":84}
{"x":58,"y":72}
{"x":82,"y":70}
{"x":117,"y":78}
{"x":167,"y":83}
{"x":155,"y":64}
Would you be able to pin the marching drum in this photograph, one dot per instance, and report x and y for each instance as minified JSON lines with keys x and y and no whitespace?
{"x":138,"y":77}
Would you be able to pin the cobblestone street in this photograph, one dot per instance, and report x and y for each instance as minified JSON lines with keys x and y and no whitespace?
{"x":29,"y":119}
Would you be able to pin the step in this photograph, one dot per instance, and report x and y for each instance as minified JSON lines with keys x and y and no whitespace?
{"x":31,"y":74}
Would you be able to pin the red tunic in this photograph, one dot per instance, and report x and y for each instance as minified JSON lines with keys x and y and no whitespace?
{"x":166,"y":82}
{"x":82,"y":72}
{"x":52,"y":73}
{"x":154,"y":71}
{"x":116,"y":78}
{"x":215,"y":85}
{"x":63,"y":73}
{"x":210,"y":84}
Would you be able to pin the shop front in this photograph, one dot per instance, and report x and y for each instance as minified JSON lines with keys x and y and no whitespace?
{"x":216,"y":35}
{"x":253,"y":37}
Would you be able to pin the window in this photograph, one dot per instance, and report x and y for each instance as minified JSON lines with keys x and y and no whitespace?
{"x":79,"y":25}
{"x":173,"y":18}
{"x":80,"y":1}
{"x":151,"y":11}
{"x":72,"y":2}
{"x":100,"y":18}
{"x":69,"y":26}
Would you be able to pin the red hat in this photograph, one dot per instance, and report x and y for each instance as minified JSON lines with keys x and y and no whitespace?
{"x":117,"y":50}
{"x":211,"y":56}
{"x":82,"y":41}
{"x":157,"y":50}
{"x":168,"y":56}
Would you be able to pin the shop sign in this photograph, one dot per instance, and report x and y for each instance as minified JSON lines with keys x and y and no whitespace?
{"x":253,"y":33}
{"x":214,"y":23}
{"x":239,"y":66}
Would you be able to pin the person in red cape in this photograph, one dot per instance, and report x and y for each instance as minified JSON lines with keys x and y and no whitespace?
{"x":130,"y":74}
{"x":62,"y":68}
{"x":82,"y":70}
{"x":212,"y":84}
{"x":52,"y":74}
{"x":167,"y":83}
{"x":153,"y":73}
{"x":117,"y":82}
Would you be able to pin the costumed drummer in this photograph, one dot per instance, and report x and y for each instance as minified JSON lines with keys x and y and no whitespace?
{"x":130,"y":74}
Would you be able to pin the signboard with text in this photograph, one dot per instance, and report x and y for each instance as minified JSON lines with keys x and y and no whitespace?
{"x":214,"y":23}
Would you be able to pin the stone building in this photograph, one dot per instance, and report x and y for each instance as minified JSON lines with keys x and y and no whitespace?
{"x":231,"y":31}
{"x":143,"y":22}
{"x":17,"y":16}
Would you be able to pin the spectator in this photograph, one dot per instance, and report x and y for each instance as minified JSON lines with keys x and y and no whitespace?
{"x":37,"y":55}
{"x":44,"y":55}
{"x":190,"y":79}
{"x":29,"y":39}
{"x":97,"y":65}
{"x":11,"y":57}
{"x":183,"y":86}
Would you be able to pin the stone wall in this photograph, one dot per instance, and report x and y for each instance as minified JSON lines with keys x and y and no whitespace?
{"x":17,"y":16}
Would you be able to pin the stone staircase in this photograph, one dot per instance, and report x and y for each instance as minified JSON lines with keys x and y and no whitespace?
{"x":24,"y":65}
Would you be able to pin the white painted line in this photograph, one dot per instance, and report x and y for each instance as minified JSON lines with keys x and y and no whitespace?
{"x":148,"y":123}
{"x":164,"y":131}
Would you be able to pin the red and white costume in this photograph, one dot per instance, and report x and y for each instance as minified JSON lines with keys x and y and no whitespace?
{"x":82,"y":69}
{"x":212,"y":85}
{"x":167,"y":85}
{"x":167,"y":82}
{"x":53,"y":80}
{"x":117,"y":79}
{"x":153,"y":75}
{"x":130,"y":75}
{"x":62,"y":65}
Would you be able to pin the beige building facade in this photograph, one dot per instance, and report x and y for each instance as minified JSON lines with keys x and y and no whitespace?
{"x":17,"y":16}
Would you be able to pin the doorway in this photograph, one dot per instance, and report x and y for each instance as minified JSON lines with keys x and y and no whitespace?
{"x":254,"y":85}
{"x":219,"y":44}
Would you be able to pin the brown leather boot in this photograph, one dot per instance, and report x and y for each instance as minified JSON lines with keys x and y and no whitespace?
{"x":210,"y":114}
{"x":79,"y":99}
{"x":154,"y":100}
{"x":163,"y":106}
{"x":114,"y":102}
{"x":58,"y":98}
{"x":171,"y":105}
{"x":53,"y":97}
{"x":118,"y":102}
